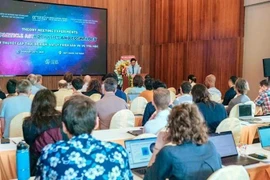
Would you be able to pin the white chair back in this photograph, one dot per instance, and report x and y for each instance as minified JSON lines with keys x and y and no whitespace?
{"x":15,"y":128}
{"x":235,"y":110}
{"x":230,"y":173}
{"x":122,"y":119}
{"x":127,"y":90}
{"x":173,"y":96}
{"x":231,"y":124}
{"x":145,"y":135}
{"x":138,"y":105}
{"x":32,"y":97}
{"x":172,"y":89}
{"x":59,"y":108}
{"x":95,"y":97}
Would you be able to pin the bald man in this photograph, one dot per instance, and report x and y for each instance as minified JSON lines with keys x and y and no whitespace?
{"x":210,"y":82}
{"x":86,"y":80}
{"x":62,"y":92}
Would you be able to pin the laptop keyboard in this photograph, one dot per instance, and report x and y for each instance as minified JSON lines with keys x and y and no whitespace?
{"x":141,"y":171}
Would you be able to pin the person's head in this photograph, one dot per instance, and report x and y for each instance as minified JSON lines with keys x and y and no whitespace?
{"x":39,"y":79}
{"x":210,"y":81}
{"x":161,"y":98}
{"x":159,"y":84}
{"x":68,"y":76}
{"x":147,"y":76}
{"x":185,"y":87}
{"x":32,"y":78}
{"x":24,"y":86}
{"x":263,"y":85}
{"x":43,"y":107}
{"x":110,"y":85}
{"x":62,"y":84}
{"x":200,"y":93}
{"x":232,"y":81}
{"x":11,"y":86}
{"x":133,"y":61}
{"x":94,"y":85}
{"x":87,"y":79}
{"x":186,"y":124}
{"x":77,"y":83}
{"x":241,"y":86}
{"x":192,"y":78}
{"x":111,"y":75}
{"x":79,"y":116}
{"x":137,"y":81}
{"x":148,"y":83}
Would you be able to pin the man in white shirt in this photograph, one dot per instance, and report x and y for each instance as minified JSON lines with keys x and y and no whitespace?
{"x":210,"y":82}
{"x":86,"y":80}
{"x":185,"y":96}
{"x":159,"y":119}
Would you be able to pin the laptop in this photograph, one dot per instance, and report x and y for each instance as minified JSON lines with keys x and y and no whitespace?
{"x":264,"y":135}
{"x":226,"y":148}
{"x":245,"y":113}
{"x":139,"y":154}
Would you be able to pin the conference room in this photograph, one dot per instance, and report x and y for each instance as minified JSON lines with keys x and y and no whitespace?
{"x":135,"y":89}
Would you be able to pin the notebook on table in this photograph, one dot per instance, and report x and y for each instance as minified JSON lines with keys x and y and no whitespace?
{"x":139,"y":154}
{"x":264,"y":135}
{"x":227,"y":150}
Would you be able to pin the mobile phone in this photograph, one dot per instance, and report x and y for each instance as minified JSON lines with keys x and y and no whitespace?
{"x":5,"y":141}
{"x":258,"y":156}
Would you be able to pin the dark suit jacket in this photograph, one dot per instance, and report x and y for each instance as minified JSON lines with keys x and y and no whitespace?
{"x":229,"y":95}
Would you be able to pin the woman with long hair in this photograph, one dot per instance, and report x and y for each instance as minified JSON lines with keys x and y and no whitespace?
{"x":93,"y":88}
{"x":43,"y":118}
{"x":212,"y":112}
{"x":183,"y":151}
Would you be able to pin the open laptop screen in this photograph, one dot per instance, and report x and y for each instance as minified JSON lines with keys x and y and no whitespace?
{"x":224,"y":143}
{"x":264,"y":133}
{"x":140,"y":151}
{"x":245,"y":110}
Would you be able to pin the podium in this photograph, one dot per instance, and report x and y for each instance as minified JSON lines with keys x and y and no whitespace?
{"x":126,"y":81}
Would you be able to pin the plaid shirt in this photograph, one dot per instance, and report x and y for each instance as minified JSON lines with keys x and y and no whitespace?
{"x":263,"y":100}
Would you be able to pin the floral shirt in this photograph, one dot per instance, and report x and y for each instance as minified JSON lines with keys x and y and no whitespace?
{"x":83,"y":157}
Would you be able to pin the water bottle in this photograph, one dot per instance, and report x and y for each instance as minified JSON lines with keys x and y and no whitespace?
{"x":23,"y":161}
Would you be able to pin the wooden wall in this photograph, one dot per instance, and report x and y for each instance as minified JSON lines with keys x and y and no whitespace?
{"x":196,"y":37}
{"x":128,"y":32}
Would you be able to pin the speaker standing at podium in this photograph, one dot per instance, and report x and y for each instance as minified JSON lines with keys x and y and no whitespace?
{"x":133,"y":68}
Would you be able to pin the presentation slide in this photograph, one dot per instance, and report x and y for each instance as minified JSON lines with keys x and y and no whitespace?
{"x":50,"y":39}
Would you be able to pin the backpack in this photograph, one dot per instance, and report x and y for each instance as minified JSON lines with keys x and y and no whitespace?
{"x":49,"y":136}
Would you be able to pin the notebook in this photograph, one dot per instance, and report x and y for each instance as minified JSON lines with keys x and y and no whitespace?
{"x":139,"y":154}
{"x":227,"y":150}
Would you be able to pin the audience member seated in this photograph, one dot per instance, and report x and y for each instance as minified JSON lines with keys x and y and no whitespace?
{"x":44,"y":120}
{"x":11,"y":87}
{"x":192,"y":79}
{"x":137,"y":85}
{"x":185,"y":96}
{"x":159,"y":119}
{"x":93,"y":88}
{"x":109,"y":104}
{"x":2,"y":95}
{"x":62,"y":92}
{"x":230,"y":93}
{"x":148,"y":93}
{"x":83,"y":156}
{"x":263,"y":99}
{"x":39,"y":82}
{"x":33,"y":80}
{"x":86,"y":80}
{"x":118,"y":92}
{"x":68,"y":77}
{"x":150,"y":108}
{"x":241,"y":88}
{"x":15,"y":105}
{"x":77,"y":84}
{"x":189,"y":154}
{"x":210,"y":82}
{"x":212,"y":112}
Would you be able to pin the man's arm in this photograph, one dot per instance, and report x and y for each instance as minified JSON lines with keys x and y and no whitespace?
{"x":2,"y":122}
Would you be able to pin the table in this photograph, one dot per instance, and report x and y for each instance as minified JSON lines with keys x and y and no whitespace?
{"x":8,"y":151}
{"x":249,"y":131}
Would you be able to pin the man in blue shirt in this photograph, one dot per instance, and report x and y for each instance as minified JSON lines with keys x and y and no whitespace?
{"x":15,"y":105}
{"x":83,"y":156}
{"x":185,"y":96}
